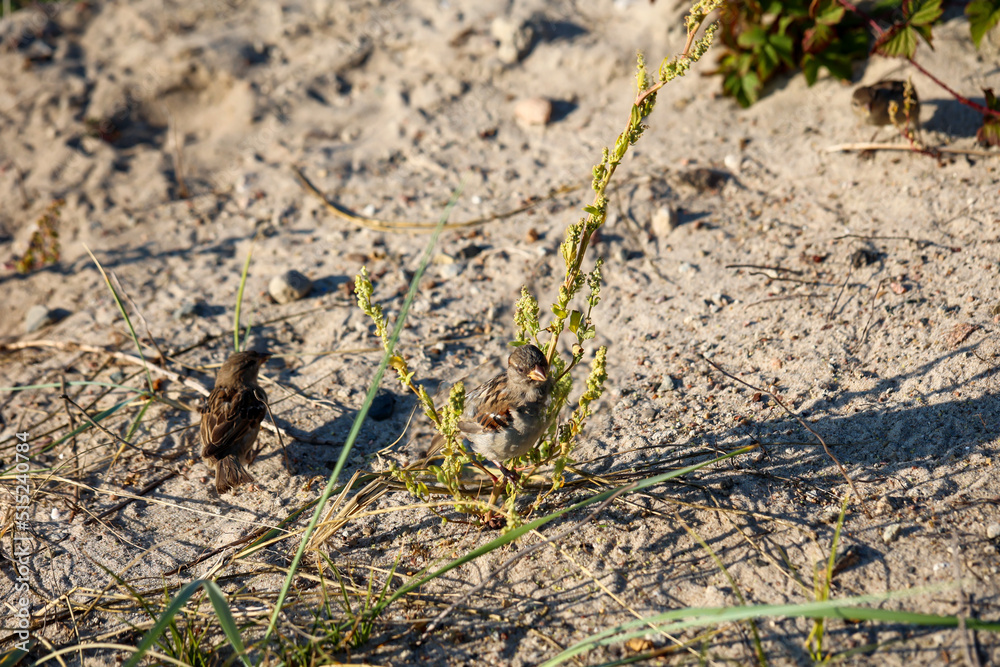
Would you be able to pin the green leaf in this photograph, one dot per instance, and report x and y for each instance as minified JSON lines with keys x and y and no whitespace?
{"x":756,"y":36}
{"x":559,"y":311}
{"x":574,"y":320}
{"x":901,"y":44}
{"x":924,"y":12}
{"x":831,"y":14}
{"x":983,"y":16}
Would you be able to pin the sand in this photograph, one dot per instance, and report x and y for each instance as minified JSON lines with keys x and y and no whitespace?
{"x":387,"y":108}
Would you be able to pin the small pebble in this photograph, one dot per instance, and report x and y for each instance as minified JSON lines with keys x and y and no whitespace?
{"x":664,"y":221}
{"x":533,"y":111}
{"x":993,"y":531}
{"x":514,"y":39}
{"x":892,"y":533}
{"x":38,"y":317}
{"x":733,"y":162}
{"x":186,"y":310}
{"x":687,"y":267}
{"x":289,"y":286}
{"x":450,"y":271}
{"x":368,"y":211}
{"x":383,"y":406}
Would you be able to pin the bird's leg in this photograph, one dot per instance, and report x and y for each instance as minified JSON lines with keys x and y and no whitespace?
{"x":512,"y":477}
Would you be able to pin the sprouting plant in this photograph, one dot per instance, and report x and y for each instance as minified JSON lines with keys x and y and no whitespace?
{"x":989,"y":133}
{"x":43,"y":248}
{"x":557,"y":443}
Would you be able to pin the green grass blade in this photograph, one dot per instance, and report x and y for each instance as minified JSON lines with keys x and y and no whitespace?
{"x":512,"y":535}
{"x":121,"y":309}
{"x":12,"y":657}
{"x":239,"y":297}
{"x":842,"y":609}
{"x":363,"y":412}
{"x":219,"y":604}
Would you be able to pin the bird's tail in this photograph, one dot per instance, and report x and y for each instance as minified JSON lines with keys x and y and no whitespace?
{"x":230,"y":473}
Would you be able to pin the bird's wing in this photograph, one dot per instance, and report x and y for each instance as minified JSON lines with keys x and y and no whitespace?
{"x":487,"y":408}
{"x":232,"y":413}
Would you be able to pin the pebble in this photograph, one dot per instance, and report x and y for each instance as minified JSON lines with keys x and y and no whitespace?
{"x":383,"y":406}
{"x":993,"y":531}
{"x":186,"y":310}
{"x":514,"y":39}
{"x":533,"y":111}
{"x":289,"y":286}
{"x":450,"y":271}
{"x":687,"y":267}
{"x":733,"y":162}
{"x":38,"y":317}
{"x":892,"y":533}
{"x":664,"y":221}
{"x":368,"y":211}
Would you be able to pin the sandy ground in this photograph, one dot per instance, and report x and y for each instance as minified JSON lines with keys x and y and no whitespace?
{"x":387,"y":108}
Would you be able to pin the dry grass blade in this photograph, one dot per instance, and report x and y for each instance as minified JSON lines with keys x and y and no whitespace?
{"x":419,"y":227}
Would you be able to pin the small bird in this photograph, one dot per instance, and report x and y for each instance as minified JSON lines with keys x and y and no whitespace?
{"x":504,"y":417}
{"x":872,"y":103}
{"x":231,"y":419}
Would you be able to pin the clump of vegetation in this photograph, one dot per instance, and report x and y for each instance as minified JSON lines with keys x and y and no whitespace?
{"x":43,"y":249}
{"x":763,"y":40}
{"x":989,"y":133}
{"x":568,"y":313}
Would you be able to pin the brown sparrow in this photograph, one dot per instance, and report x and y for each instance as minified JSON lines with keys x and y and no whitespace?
{"x":872,"y":103}
{"x":504,"y":417}
{"x":231,"y":419}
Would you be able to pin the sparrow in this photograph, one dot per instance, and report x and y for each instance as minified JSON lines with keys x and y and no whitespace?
{"x":504,"y":417}
{"x":872,"y":103}
{"x":231,"y":419}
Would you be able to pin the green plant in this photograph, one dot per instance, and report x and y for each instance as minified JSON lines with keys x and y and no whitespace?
{"x":43,"y":248}
{"x":557,"y":443}
{"x":764,"y":39}
{"x":983,"y":16}
{"x":989,"y":133}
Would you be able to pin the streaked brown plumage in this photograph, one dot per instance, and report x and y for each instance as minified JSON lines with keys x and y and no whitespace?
{"x":231,"y":418}
{"x":505,"y":416}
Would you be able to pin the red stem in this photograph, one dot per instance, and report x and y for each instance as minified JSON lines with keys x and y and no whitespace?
{"x":879,"y":32}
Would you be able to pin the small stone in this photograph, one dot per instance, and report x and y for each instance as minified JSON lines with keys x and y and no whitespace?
{"x":187,"y":309}
{"x":450,"y":271}
{"x":664,"y":221}
{"x":733,"y":162}
{"x":383,"y":406}
{"x":368,"y":211}
{"x":289,"y":286}
{"x":892,"y":533}
{"x":687,"y":267}
{"x":993,"y":531}
{"x":38,"y":317}
{"x":533,"y":111}
{"x":514,"y":39}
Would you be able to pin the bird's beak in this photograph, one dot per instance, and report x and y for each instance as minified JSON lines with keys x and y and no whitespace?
{"x":538,"y":374}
